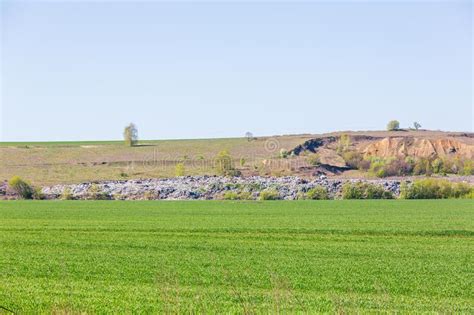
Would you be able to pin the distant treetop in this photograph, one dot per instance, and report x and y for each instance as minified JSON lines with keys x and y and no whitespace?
{"x":130,"y":135}
{"x":393,"y":125}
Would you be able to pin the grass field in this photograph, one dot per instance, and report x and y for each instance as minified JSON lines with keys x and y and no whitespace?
{"x":48,"y":163}
{"x":237,"y":257}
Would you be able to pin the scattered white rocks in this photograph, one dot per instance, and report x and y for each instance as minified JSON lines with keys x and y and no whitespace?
{"x":204,"y":187}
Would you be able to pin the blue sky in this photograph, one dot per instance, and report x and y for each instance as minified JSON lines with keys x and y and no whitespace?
{"x":83,"y":70}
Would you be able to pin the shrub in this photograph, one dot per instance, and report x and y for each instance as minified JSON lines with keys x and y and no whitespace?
{"x":388,"y":167}
{"x":130,"y":135}
{"x":94,"y":193}
{"x":269,"y":194}
{"x":67,"y":194}
{"x":468,"y":168}
{"x":284,"y":153}
{"x":422,"y":166}
{"x":437,"y":166}
{"x":435,"y":189}
{"x":224,"y":164}
{"x":397,"y":167}
{"x":416,"y":125}
{"x":448,"y":167}
{"x":317,"y":193}
{"x":364,"y":191}
{"x":376,"y":192}
{"x":253,"y":187}
{"x":469,"y":195}
{"x":457,"y":167}
{"x":245,"y":195}
{"x":393,"y":125}
{"x":179,"y":169}
{"x":301,"y":195}
{"x":233,"y":172}
{"x":352,"y":191}
{"x":151,"y":195}
{"x":21,"y":187}
{"x":461,"y":190}
{"x":364,"y":165}
{"x":242,"y":162}
{"x":353,"y":159}
{"x":314,"y":159}
{"x":223,"y":161}
{"x":232,"y":195}
{"x":38,"y":194}
{"x":377,"y":167}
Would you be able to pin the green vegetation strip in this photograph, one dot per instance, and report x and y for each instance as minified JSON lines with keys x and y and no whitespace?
{"x":237,"y":257}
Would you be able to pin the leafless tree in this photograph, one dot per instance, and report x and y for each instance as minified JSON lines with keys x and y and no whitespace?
{"x":249,"y":136}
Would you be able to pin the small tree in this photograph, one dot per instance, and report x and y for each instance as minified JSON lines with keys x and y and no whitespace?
{"x":393,"y":125}
{"x":249,"y":136}
{"x":317,"y":193}
{"x":353,"y":159}
{"x":224,"y":164}
{"x":343,"y":143}
{"x":130,"y":135}
{"x":416,"y":125}
{"x":179,"y":169}
{"x":314,"y":159}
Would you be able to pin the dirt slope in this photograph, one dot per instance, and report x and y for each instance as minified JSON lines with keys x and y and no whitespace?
{"x":419,"y":147}
{"x":418,"y":144}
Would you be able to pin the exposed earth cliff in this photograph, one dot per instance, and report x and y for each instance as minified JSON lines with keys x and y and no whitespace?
{"x":397,"y":144}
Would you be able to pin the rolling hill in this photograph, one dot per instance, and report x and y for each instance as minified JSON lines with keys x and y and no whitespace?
{"x":47,"y":163}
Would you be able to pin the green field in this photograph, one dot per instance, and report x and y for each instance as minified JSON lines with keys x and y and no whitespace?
{"x":237,"y":257}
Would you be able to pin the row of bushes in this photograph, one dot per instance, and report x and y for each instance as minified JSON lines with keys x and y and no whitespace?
{"x":409,"y":166}
{"x":349,"y":191}
{"x":267,"y":194}
{"x":436,"y":189}
{"x":420,"y":189}
{"x":316,"y":193}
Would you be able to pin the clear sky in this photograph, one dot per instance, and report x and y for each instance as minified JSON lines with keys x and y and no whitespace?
{"x":82,"y":70}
